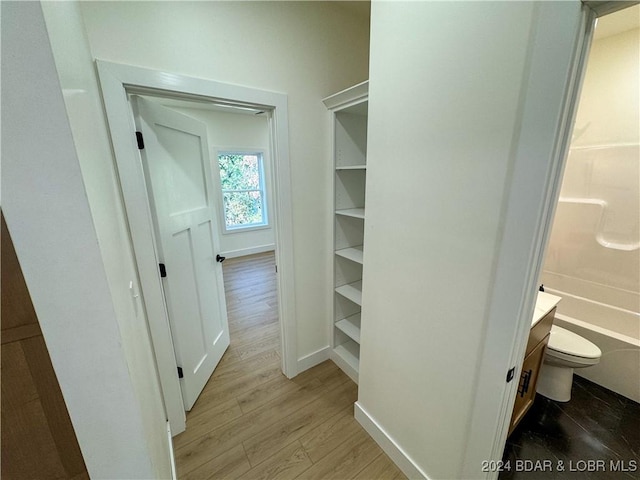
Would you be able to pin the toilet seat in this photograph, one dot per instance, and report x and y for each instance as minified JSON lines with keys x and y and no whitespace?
{"x":564,"y":344}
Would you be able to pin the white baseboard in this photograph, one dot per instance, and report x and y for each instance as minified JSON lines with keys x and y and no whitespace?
{"x":313,"y":359}
{"x":249,"y":251}
{"x":390,"y":447}
{"x":174,"y":473}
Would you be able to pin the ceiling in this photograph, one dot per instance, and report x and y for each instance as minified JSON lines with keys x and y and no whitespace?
{"x":361,"y":8}
{"x":618,"y":22}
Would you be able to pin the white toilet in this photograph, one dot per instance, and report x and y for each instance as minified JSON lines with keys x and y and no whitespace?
{"x":565,"y":351}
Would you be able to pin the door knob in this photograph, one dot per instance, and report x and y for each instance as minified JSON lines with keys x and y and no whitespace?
{"x":220,"y":258}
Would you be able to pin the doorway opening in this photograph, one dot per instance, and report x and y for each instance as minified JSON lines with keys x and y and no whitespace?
{"x":237,"y":315}
{"x":593,"y":257}
{"x":163,"y":94}
{"x":592,"y":265}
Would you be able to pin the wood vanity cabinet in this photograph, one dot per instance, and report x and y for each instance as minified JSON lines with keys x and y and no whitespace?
{"x":533,"y":357}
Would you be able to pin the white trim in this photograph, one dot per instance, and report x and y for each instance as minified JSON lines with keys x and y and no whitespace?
{"x":341,"y":359}
{"x":313,"y":359}
{"x":283,"y":229}
{"x":116,"y":82}
{"x":245,"y":228}
{"x":347,"y":97}
{"x":388,"y":444}
{"x":241,"y":252}
{"x":174,"y":471}
{"x":556,"y":63}
{"x":262,"y":172}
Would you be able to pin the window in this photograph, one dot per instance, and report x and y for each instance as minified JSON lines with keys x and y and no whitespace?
{"x":243,"y":194}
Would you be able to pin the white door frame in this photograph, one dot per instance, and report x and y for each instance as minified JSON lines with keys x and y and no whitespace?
{"x":117,"y":81}
{"x":535,"y":180}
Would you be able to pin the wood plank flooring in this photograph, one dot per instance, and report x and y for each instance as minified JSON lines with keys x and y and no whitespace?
{"x":251,"y":422}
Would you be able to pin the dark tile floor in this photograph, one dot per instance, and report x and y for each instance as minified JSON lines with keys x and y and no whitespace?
{"x":594,"y":436}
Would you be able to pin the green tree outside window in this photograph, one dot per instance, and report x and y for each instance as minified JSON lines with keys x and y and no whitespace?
{"x":242,"y":181}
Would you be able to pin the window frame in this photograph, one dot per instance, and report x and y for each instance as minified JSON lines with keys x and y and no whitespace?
{"x":261,"y":154}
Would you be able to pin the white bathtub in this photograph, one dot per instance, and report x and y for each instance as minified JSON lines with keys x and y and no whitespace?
{"x":619,"y":367}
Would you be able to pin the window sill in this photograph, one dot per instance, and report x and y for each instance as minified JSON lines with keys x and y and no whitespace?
{"x":251,"y":228}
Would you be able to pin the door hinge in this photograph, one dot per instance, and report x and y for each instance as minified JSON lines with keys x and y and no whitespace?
{"x":163,"y":270}
{"x":140,"y":140}
{"x":510,"y":374}
{"x":180,"y":374}
{"x":276,"y":268}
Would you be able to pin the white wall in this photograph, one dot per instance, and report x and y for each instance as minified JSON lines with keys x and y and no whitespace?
{"x":608,"y":108}
{"x":450,"y":103}
{"x":237,"y":131}
{"x":305,"y":49}
{"x":96,"y":339}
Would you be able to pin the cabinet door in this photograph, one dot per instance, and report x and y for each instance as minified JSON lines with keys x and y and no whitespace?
{"x":527,"y":386}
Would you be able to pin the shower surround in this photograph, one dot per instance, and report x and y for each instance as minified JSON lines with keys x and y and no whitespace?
{"x":593,"y":258}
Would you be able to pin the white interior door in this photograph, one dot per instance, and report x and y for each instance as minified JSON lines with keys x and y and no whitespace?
{"x":179,"y":183}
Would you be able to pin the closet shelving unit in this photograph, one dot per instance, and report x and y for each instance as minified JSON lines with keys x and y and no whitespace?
{"x":349,"y":110}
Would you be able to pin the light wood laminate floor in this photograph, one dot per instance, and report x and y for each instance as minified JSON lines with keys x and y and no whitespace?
{"x":251,"y":422}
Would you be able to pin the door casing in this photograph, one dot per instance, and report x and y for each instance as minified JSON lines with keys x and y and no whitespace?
{"x":117,"y":81}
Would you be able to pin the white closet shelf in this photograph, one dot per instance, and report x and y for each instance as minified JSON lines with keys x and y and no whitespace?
{"x":351,"y":327}
{"x":349,"y":353}
{"x":351,"y":212}
{"x":349,"y":110}
{"x":352,"y":167}
{"x":352,"y":291}
{"x":354,"y":254}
